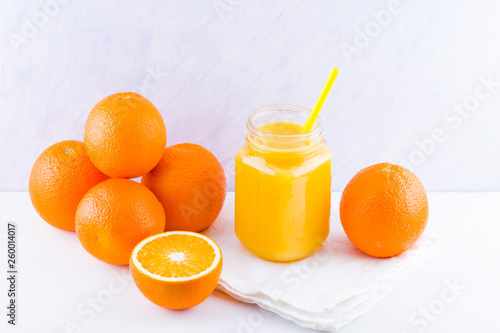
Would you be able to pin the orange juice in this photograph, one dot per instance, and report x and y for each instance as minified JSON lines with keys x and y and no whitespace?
{"x":283,"y":180}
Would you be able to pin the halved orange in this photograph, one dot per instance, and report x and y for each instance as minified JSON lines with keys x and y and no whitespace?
{"x":176,"y":269}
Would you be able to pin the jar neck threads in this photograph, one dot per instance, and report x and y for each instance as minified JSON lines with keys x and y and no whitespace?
{"x":282,"y":141}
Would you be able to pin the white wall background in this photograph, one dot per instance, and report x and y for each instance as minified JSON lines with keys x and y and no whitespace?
{"x":217,"y":61}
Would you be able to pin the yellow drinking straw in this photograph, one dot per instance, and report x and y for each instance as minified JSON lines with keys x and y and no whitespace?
{"x":320,"y":101}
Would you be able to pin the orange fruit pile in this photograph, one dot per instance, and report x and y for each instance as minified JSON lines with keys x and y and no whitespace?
{"x":185,"y":185}
{"x":384,"y":210}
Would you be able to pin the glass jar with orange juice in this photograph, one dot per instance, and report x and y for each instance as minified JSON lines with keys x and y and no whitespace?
{"x":283,"y":181}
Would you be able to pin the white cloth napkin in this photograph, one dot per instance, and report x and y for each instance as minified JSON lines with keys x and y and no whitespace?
{"x":324,"y":291}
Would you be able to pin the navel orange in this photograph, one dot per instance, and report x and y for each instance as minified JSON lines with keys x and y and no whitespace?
{"x":114,"y":216}
{"x":384,"y":209}
{"x":125,"y":135}
{"x":190,"y":183}
{"x":60,"y":177}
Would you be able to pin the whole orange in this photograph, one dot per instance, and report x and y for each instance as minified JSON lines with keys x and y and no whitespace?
{"x":114,"y":216}
{"x":384,"y":209}
{"x":60,"y":177}
{"x":190,"y":183}
{"x":125,"y":135}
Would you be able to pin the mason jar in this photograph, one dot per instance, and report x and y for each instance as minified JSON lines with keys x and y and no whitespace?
{"x":283,"y":185}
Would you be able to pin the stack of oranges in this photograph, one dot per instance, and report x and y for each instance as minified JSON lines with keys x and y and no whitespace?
{"x":153,"y":226}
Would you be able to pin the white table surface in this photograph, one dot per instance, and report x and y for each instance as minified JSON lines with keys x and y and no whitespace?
{"x":58,"y":281}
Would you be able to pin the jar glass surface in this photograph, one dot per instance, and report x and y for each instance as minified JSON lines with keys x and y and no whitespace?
{"x":283,"y":185}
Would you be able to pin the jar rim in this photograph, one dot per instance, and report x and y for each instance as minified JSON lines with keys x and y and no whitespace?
{"x":282,"y":144}
{"x":288,"y":108}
